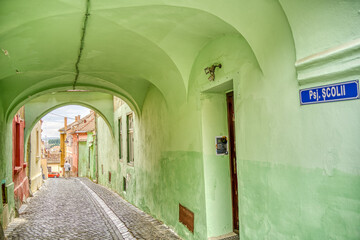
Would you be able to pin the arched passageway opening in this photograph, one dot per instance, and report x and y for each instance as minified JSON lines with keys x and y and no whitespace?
{"x":76,"y":138}
{"x":68,"y":135}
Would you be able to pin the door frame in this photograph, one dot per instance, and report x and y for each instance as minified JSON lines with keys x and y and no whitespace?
{"x":232,"y":159}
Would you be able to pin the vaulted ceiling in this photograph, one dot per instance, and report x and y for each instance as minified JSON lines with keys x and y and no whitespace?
{"x":124,"y":47}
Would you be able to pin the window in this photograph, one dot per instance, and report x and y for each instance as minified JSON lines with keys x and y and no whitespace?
{"x":124,"y":184}
{"x":4,"y":193}
{"x":17,"y":145}
{"x":120,"y":138}
{"x":130,"y":138}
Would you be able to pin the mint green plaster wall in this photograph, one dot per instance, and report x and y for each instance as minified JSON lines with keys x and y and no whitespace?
{"x":171,"y":136}
{"x":161,"y":178}
{"x":109,"y":156}
{"x":295,"y":179}
{"x":108,"y":159}
{"x":91,"y":143}
{"x":216,"y":168}
{"x":234,"y":53}
{"x":316,"y":21}
{"x":7,"y":212}
{"x":83,"y":159}
{"x":87,"y":163}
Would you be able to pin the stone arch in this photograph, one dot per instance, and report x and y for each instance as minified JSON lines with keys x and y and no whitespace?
{"x":33,"y":95}
{"x":38,"y":107}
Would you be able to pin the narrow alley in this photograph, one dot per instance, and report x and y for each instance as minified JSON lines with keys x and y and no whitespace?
{"x":77,"y":208}
{"x":219,"y":119}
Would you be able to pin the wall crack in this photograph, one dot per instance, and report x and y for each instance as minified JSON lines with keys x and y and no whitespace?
{"x":82,"y":43}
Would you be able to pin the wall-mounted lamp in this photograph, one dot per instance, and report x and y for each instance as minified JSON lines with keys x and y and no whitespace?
{"x":211,"y":70}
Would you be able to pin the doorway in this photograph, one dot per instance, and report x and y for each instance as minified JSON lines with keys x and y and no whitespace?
{"x":219,"y":175}
{"x":232,"y":159}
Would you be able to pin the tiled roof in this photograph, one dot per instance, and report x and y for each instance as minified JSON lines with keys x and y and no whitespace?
{"x":85,"y":124}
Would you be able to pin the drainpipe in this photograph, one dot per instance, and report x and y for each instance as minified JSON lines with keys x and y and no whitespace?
{"x":29,"y":164}
{"x":96,"y":151}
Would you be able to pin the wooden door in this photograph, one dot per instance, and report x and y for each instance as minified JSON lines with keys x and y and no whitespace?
{"x":232,"y":158}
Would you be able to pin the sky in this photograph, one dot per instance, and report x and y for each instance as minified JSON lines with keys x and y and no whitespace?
{"x":54,"y":120}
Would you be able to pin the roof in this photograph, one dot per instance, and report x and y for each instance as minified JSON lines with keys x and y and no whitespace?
{"x":85,"y":124}
{"x":55,"y":149}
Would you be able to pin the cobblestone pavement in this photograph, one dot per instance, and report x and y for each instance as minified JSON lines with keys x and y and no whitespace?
{"x":80,"y":209}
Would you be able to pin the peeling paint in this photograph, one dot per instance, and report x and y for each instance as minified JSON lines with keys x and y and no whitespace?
{"x":5,"y":52}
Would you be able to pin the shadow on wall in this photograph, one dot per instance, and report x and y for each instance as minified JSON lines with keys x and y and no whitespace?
{"x":2,"y":236}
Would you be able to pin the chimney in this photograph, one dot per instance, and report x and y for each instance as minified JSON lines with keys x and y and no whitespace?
{"x":65,"y":123}
{"x":77,"y":118}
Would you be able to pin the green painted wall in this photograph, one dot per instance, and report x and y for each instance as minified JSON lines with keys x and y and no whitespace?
{"x":87,"y":161}
{"x":293,"y":161}
{"x":83,"y":159}
{"x":7,"y":212}
{"x":91,"y":143}
{"x":316,"y":21}
{"x":161,"y":178}
{"x":216,"y":168}
{"x":109,"y":160}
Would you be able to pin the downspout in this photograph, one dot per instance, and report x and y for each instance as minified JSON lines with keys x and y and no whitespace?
{"x":96,"y":150}
{"x":28,"y":152}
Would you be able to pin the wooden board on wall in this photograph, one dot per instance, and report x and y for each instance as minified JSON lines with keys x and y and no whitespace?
{"x":186,"y":217}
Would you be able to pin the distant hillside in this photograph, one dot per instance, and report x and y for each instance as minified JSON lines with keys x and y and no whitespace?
{"x":54,"y":142}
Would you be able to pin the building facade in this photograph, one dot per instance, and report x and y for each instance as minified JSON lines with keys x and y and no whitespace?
{"x":54,"y":160}
{"x":78,"y":139}
{"x":34,"y":158}
{"x":20,"y":178}
{"x":117,"y":153}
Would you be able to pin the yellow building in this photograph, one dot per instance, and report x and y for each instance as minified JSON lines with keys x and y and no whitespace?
{"x":53,"y":160}
{"x":44,"y":161}
{"x":35,"y":168}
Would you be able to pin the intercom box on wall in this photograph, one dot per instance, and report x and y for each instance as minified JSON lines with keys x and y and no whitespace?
{"x":221,"y":144}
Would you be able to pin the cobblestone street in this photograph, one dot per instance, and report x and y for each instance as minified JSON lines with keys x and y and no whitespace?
{"x":80,"y":209}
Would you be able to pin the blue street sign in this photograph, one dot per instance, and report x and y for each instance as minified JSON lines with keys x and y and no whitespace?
{"x":330,"y":93}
